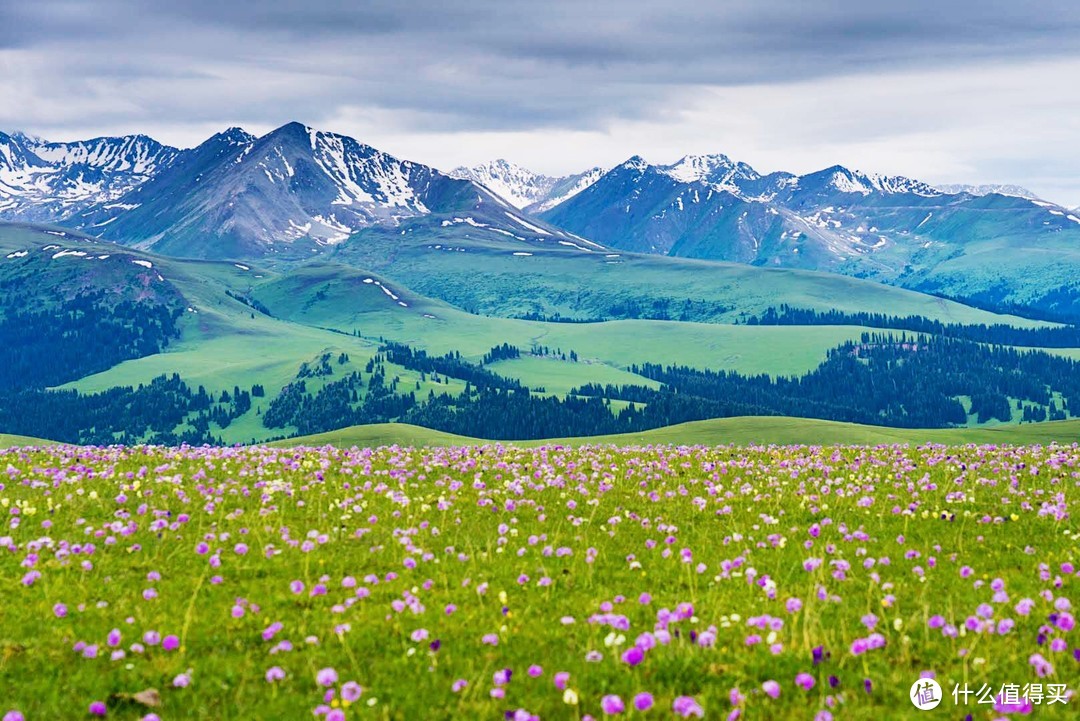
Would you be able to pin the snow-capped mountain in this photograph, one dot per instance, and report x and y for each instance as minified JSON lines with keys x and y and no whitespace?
{"x":1016,"y":191}
{"x":839,"y":179}
{"x":890,"y":228}
{"x":566,"y":188}
{"x":294,"y":190}
{"x":524,"y":189}
{"x":718,"y":171}
{"x":516,"y":185}
{"x":40,"y":180}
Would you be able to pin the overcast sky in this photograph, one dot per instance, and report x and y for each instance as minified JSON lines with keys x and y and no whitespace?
{"x":941,"y":90}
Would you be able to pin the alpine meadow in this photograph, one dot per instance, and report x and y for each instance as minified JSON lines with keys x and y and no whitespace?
{"x":493,"y":389}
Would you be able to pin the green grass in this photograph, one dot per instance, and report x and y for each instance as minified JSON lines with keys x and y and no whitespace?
{"x":10,"y":441}
{"x":720,"y":431}
{"x":489,"y":278}
{"x":271,"y":358}
{"x":396,"y":548}
{"x":782,"y":430}
{"x":332,"y":296}
{"x":19,"y":236}
{"x":225,"y":343}
{"x":317,"y":308}
{"x":380,"y":434}
{"x":752,"y":430}
{"x":559,"y":377}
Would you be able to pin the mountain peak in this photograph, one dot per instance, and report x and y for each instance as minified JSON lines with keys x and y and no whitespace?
{"x":524,"y":188}
{"x":239,"y":195}
{"x":54,"y":181}
{"x":292,"y":128}
{"x":505,"y":164}
{"x":635,"y":162}
{"x":233,"y":136}
{"x":294,"y":132}
{"x":987,"y":189}
{"x":500,"y":167}
{"x":846,"y":180}
{"x":26,"y":139}
{"x":715,"y":169}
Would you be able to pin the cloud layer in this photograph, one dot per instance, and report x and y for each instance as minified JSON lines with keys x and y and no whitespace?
{"x":945,"y":91}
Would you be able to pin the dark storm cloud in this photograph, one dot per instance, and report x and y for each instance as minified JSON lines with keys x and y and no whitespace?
{"x":481,"y":65}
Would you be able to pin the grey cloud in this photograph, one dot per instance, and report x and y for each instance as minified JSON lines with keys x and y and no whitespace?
{"x":505,"y":66}
{"x":509,"y":64}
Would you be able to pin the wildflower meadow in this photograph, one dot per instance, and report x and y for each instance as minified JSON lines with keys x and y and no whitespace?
{"x":554,"y":583}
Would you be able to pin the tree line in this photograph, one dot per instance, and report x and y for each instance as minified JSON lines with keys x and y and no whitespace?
{"x":164,"y":411}
{"x":1067,"y":336}
{"x":882,"y":379}
{"x":42,"y":347}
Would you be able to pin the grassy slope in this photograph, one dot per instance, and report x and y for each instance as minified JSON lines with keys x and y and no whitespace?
{"x":740,"y":431}
{"x":10,"y":441}
{"x":19,"y":236}
{"x":559,"y":377}
{"x":381,"y":434}
{"x":333,"y":296}
{"x":226,"y":343}
{"x":487,"y":276}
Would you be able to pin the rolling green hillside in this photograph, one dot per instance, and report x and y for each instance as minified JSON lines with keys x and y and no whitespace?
{"x":257,"y":324}
{"x":488,"y":274}
{"x":738,"y":431}
{"x":340,"y":298}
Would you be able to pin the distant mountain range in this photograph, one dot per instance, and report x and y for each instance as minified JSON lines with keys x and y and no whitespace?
{"x":40,"y":180}
{"x":297,"y":192}
{"x":988,"y":189}
{"x":990,"y":247}
{"x":713,"y":207}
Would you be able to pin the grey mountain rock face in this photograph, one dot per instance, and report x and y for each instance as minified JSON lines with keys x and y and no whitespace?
{"x":294,"y":191}
{"x":524,"y":189}
{"x":40,"y":180}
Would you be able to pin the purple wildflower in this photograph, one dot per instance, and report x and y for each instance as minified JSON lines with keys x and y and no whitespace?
{"x":351,"y":691}
{"x":326,"y":677}
{"x":612,"y":705}
{"x":633,"y":656}
{"x":686,"y":707}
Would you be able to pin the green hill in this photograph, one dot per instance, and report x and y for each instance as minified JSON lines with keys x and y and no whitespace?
{"x":247,"y":324}
{"x":9,"y":441}
{"x":487,"y":274}
{"x":721,"y":431}
{"x":380,"y":434}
